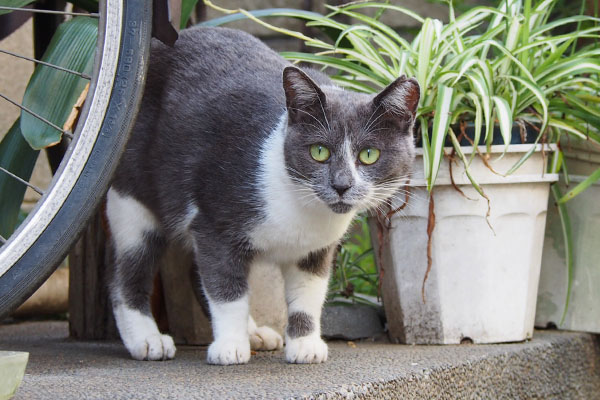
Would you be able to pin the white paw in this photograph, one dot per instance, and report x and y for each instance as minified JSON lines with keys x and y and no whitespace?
{"x":265,"y":338}
{"x":153,"y":347}
{"x":305,"y":350}
{"x":229,"y":351}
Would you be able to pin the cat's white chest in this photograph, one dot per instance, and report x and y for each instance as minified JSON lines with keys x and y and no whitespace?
{"x":296,"y":222}
{"x":291,"y":231}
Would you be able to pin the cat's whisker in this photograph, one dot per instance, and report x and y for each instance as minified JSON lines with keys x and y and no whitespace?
{"x":313,"y":117}
{"x":367,"y":125}
{"x":374,"y":121}
{"x":324,"y":114}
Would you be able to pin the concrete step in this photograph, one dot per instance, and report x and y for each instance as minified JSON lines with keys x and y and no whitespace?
{"x":554,"y":365}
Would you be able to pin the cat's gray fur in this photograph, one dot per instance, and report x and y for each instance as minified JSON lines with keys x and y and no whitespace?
{"x":194,"y":171}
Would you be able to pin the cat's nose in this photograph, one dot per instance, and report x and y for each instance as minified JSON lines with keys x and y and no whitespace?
{"x":341,"y":182}
{"x":340,"y":188}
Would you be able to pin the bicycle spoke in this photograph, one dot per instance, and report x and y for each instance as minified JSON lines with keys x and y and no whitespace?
{"x":58,"y":67}
{"x":23,"y":181}
{"x":28,"y":111}
{"x":35,"y":10}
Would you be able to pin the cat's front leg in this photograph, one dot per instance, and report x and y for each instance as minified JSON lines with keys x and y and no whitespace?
{"x":223,"y":272}
{"x":305,"y":291}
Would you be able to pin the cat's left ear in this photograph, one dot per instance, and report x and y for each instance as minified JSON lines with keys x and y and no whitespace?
{"x":400,"y":98}
{"x":303,"y":97}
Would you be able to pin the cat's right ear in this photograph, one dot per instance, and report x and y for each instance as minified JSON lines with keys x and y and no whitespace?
{"x":303,"y":97}
{"x":400,"y":98}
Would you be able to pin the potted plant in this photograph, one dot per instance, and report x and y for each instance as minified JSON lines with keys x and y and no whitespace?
{"x":569,"y":297}
{"x":460,"y":257}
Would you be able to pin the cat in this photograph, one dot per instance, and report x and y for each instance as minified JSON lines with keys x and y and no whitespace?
{"x":243,"y":158}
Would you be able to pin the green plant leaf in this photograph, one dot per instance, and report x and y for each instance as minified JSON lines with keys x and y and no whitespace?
{"x":13,"y":3}
{"x":187,"y":8}
{"x":19,"y":158}
{"x":462,"y":156}
{"x":341,"y":64}
{"x":565,"y":222}
{"x":505,"y":119}
{"x":441,"y":121}
{"x":268,"y":12}
{"x":72,"y":46}
{"x":589,"y":181}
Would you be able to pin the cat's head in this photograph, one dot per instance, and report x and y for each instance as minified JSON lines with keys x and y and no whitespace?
{"x":353,"y":150}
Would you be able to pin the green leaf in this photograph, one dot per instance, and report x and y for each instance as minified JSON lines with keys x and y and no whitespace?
{"x":505,"y":119}
{"x":73,"y":47}
{"x":187,"y":8}
{"x":441,"y":121}
{"x":343,"y":65}
{"x":19,"y":158}
{"x":462,"y":156}
{"x":589,"y":181}
{"x":13,"y":3}
{"x":425,"y":47}
{"x":379,"y":6}
{"x":268,"y":12}
{"x":565,"y":222}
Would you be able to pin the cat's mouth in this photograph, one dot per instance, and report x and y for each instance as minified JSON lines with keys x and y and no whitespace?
{"x":340,"y":207}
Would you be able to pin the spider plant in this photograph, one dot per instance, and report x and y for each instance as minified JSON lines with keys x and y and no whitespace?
{"x":355,"y":275}
{"x":490,"y":66}
{"x":516,"y":64}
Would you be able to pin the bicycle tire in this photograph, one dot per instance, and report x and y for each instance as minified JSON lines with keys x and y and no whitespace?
{"x":32,"y":253}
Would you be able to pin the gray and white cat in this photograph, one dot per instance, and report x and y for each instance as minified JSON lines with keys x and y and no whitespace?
{"x":244,"y":158}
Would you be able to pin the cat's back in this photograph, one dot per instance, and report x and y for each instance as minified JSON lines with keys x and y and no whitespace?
{"x":213,"y":62}
{"x":209,"y":104}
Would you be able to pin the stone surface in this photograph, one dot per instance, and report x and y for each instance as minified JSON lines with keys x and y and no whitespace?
{"x":351,"y":322}
{"x":554,"y":365}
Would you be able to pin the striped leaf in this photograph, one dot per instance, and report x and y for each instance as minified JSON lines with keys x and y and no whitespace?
{"x":72,"y":47}
{"x":441,"y":121}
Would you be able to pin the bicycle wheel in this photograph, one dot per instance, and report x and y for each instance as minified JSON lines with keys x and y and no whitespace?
{"x":42,"y":241}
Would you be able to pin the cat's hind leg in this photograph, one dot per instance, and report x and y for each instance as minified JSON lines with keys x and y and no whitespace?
{"x":305,"y":291}
{"x":138,"y":245}
{"x":263,"y":338}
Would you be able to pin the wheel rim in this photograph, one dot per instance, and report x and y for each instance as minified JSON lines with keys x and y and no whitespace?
{"x":110,"y":32}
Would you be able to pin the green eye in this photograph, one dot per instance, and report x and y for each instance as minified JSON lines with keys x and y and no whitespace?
{"x":368,"y":156}
{"x":319,"y":152}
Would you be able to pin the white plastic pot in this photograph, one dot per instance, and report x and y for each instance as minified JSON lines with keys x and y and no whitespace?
{"x":583,"y":313}
{"x":483,"y":283}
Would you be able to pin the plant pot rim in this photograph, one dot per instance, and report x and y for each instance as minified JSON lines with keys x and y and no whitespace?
{"x":499,"y":148}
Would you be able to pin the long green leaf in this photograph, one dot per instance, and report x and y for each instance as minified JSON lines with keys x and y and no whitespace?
{"x":441,"y":121}
{"x":463,"y":158}
{"x":13,"y":3}
{"x":505,"y":119}
{"x":187,"y":8}
{"x":72,"y":46}
{"x":577,"y":190}
{"x":19,"y":158}
{"x":340,"y":64}
{"x":379,"y":6}
{"x":268,"y":12}
{"x":565,"y":222}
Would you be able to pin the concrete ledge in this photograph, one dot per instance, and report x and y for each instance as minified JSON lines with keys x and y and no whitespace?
{"x":554,"y":365}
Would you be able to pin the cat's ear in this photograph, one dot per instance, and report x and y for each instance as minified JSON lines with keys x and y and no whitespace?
{"x":302,"y":95}
{"x":400,"y":98}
